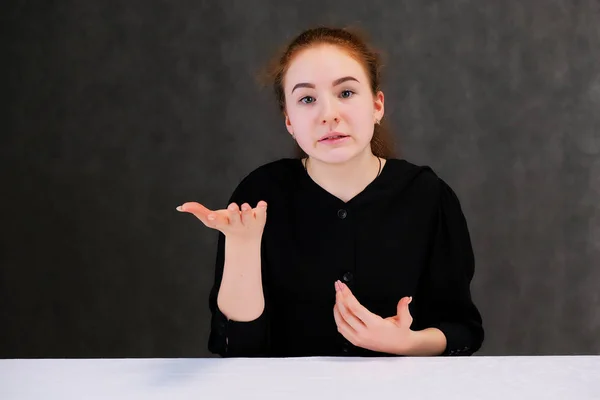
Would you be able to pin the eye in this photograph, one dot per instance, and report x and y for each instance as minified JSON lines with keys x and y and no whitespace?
{"x":346,"y":94}
{"x":307,"y":100}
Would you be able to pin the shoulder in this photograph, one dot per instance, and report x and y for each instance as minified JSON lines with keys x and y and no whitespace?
{"x":403,"y":173}
{"x":264,"y":179}
{"x":283,"y":168}
{"x":420,"y":179}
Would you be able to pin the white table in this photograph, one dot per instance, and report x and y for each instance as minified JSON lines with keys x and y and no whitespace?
{"x":437,"y":378}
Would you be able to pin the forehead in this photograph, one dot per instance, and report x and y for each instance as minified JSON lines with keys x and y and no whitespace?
{"x":321,"y":65}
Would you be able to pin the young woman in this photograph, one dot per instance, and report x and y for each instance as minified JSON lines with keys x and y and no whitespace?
{"x":361,"y":254}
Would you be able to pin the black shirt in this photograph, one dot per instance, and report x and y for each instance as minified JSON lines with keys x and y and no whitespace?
{"x":403,"y":235}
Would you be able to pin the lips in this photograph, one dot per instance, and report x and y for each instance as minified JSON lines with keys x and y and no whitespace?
{"x":333,"y":136}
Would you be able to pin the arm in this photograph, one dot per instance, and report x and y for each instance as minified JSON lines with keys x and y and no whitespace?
{"x":240,"y":296}
{"x":239,"y":323}
{"x":443,"y":303}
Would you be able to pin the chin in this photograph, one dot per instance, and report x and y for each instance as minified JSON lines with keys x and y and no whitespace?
{"x":336,"y":156}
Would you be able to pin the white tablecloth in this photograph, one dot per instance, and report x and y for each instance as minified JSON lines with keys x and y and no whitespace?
{"x":438,"y":378}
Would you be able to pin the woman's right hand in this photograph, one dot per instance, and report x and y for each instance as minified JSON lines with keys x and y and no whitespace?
{"x":245,"y":224}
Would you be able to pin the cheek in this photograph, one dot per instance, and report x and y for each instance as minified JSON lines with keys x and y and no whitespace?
{"x":360,"y":118}
{"x":367,"y":111}
{"x":358,"y":108}
{"x":301,"y":119}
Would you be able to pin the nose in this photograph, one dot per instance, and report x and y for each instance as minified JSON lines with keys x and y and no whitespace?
{"x":330,"y":112}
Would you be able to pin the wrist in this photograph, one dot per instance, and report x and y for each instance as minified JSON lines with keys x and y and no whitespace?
{"x":242,"y":254}
{"x":413,"y":341}
{"x":236,"y":242}
{"x":427,"y":342}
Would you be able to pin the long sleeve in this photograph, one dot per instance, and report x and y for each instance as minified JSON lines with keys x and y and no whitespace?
{"x":230,"y":338}
{"x":443,"y":299}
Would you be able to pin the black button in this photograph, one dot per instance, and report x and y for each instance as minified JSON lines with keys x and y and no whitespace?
{"x":348,"y":277}
{"x":345,"y":348}
{"x":342,"y":213}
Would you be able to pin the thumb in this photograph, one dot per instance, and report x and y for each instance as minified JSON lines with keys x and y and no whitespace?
{"x":403,"y":312}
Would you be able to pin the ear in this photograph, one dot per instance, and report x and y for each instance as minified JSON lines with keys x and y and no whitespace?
{"x":288,"y":124}
{"x":378,"y":103}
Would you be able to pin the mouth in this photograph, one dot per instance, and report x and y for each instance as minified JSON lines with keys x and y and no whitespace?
{"x":333,"y":138}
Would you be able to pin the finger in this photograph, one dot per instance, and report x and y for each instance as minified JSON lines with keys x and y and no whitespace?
{"x":260,"y":212}
{"x":193,"y":208}
{"x":233,"y":214}
{"x":404,"y":317}
{"x":343,"y":328}
{"x":208,"y":217}
{"x":348,"y":316}
{"x":354,"y":306}
{"x":247,"y":214}
{"x":219,"y":219}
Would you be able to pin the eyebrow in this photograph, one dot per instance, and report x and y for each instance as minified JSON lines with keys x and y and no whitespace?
{"x":335,"y":83}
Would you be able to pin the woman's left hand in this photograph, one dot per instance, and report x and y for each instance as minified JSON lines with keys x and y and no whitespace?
{"x":364,"y":329}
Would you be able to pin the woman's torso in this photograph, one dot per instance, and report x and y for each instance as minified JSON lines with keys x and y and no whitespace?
{"x":377,"y":243}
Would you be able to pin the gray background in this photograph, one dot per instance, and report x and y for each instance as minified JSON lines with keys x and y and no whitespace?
{"x":117,"y":112}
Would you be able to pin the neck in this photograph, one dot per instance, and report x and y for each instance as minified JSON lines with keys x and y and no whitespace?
{"x":345,"y":180}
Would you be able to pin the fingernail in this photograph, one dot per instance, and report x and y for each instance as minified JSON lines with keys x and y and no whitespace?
{"x":179,"y":208}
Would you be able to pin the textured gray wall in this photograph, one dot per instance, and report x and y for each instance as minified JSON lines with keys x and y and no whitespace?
{"x":120,"y":111}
